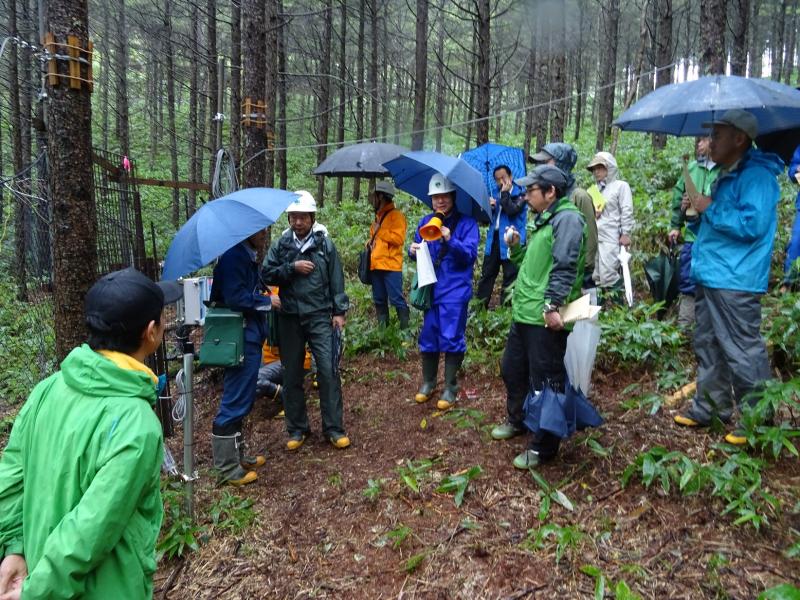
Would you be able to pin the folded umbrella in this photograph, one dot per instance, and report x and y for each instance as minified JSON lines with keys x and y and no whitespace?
{"x":221,"y":224}
{"x":662,"y":274}
{"x":360,"y":160}
{"x":625,"y":259}
{"x":559,"y":413}
{"x":412,"y":171}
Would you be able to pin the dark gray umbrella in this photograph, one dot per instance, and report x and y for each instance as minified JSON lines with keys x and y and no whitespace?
{"x":360,"y":160}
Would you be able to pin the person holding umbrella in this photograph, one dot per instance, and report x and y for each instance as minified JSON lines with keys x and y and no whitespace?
{"x":730,"y":266}
{"x":237,"y":286}
{"x":305,"y":265}
{"x":445,"y":323}
{"x":509,"y":209}
{"x":387,"y":236}
{"x":551,"y":274}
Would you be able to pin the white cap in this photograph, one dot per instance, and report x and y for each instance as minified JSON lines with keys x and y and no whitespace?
{"x":440,"y":185}
{"x":304,"y":204}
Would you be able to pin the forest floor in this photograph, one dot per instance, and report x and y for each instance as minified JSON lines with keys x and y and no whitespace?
{"x":317,"y":534}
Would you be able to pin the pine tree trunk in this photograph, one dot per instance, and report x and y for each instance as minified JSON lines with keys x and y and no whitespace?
{"x":271,"y":87}
{"x":470,"y":113}
{"x":374,"y":85}
{"x":755,"y":47}
{"x":121,"y":68}
{"x":440,"y":84}
{"x":213,"y":84}
{"x":105,"y":75}
{"x":791,"y":38}
{"x":173,"y":135}
{"x":342,"y":111}
{"x":420,"y":76}
{"x":484,"y":91}
{"x":776,"y":46}
{"x":283,"y":32}
{"x":324,"y":96}
{"x":359,"y":88}
{"x":20,"y":225}
{"x":530,"y":93}
{"x":254,"y":45}
{"x":235,"y":120}
{"x":609,"y":31}
{"x":541,"y":86}
{"x":741,"y":11}
{"x":663,"y":54}
{"x":194,"y":82}
{"x":558,"y":79}
{"x":69,"y":137}
{"x":580,"y":70}
{"x":712,"y":36}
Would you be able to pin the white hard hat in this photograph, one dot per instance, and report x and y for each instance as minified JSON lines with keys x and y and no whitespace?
{"x":440,"y":185}
{"x":304,"y":204}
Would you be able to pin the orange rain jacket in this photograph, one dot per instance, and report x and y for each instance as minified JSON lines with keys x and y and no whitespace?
{"x":387,"y":249}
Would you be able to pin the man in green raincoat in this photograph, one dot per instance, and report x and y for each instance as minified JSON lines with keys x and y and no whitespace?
{"x":80,"y":506}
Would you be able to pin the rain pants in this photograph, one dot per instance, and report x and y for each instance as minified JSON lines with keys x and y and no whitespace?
{"x":444,"y":325}
{"x":79,"y":481}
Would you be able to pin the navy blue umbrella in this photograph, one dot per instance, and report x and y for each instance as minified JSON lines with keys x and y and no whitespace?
{"x":682,"y":108}
{"x":412,"y":171}
{"x":487,"y":157}
{"x":559,"y":413}
{"x":220,"y":225}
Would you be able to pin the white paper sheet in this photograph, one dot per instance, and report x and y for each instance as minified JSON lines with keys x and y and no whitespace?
{"x":425,"y":272}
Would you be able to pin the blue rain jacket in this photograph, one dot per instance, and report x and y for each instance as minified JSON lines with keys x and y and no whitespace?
{"x":794,"y":167}
{"x":736,"y":232}
{"x":454,"y":274}
{"x":510,"y":202}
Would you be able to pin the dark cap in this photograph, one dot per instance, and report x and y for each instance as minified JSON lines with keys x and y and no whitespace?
{"x":740,"y":119}
{"x":542,"y":156}
{"x":126,"y":300}
{"x":544,"y":176}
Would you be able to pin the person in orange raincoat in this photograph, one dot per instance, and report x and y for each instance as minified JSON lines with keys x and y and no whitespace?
{"x":387,"y":235}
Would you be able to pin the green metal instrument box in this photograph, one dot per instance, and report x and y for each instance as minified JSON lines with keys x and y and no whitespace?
{"x":223,"y":338}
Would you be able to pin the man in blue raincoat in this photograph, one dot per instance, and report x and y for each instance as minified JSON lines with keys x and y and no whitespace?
{"x":509,"y":210}
{"x":791,"y":268}
{"x":445,"y":323}
{"x":237,"y":286}
{"x":730,"y":266}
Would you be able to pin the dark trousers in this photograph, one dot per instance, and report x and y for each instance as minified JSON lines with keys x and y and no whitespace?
{"x":491,"y":268}
{"x":732,"y":360}
{"x":238,"y":391}
{"x":534,"y":356}
{"x":317,"y":332}
{"x":685,"y":283}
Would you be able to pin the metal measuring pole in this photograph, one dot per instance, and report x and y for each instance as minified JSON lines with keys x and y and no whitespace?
{"x":188,"y":431}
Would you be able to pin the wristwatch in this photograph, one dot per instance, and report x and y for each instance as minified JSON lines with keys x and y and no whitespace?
{"x":548,"y":308}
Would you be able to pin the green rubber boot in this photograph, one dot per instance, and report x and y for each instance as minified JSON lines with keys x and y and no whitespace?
{"x":430,"y":368}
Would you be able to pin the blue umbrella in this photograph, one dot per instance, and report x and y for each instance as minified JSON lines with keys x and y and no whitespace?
{"x":487,"y":157}
{"x":682,"y":108}
{"x":412,"y":171}
{"x":561,"y":414}
{"x":220,"y":225}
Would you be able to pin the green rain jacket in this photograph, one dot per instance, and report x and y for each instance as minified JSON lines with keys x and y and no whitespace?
{"x":79,"y":482}
{"x":703,"y":173}
{"x":321,"y":292}
{"x":551,"y":264}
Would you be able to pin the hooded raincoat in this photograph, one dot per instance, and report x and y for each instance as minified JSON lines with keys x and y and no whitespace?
{"x":616,"y":217}
{"x":735,"y":234}
{"x":79,"y":481}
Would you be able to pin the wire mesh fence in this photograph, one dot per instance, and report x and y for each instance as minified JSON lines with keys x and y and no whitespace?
{"x":27,"y":338}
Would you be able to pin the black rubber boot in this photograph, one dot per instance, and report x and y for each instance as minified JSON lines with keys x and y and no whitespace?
{"x":452,"y":363}
{"x":430,"y":368}
{"x":382,"y":312}
{"x":248,"y":461}
{"x":225,"y":449}
{"x":402,"y":316}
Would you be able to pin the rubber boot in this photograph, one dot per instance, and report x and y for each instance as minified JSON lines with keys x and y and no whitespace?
{"x":402,"y":316}
{"x":248,"y":461}
{"x":430,"y":368}
{"x":382,"y":312}
{"x":452,"y":363}
{"x":226,"y":460}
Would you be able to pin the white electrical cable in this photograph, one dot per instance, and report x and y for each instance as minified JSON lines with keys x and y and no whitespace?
{"x":179,"y":408}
